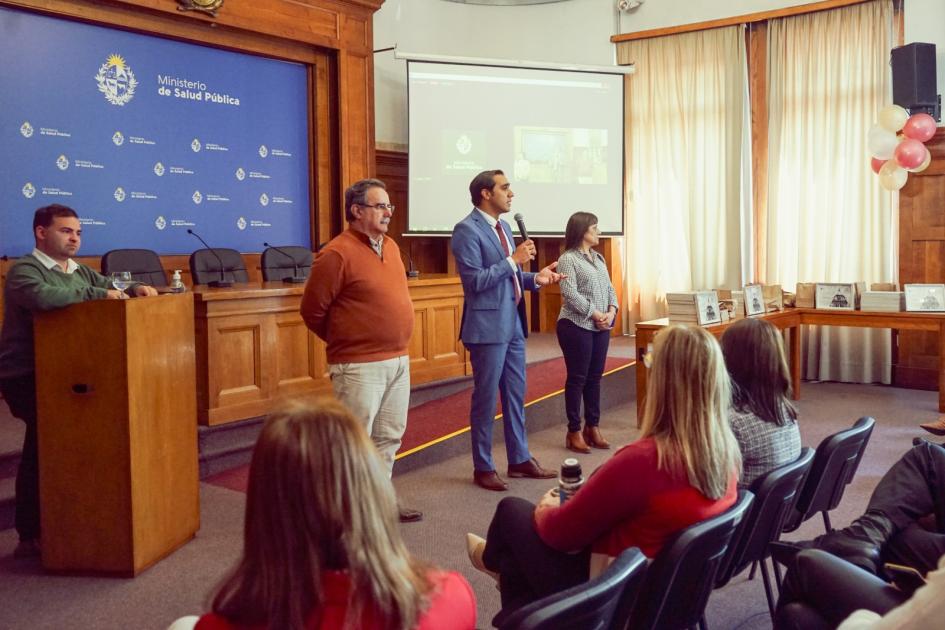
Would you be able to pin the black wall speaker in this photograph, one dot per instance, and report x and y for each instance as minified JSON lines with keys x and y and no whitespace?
{"x":913,"y":76}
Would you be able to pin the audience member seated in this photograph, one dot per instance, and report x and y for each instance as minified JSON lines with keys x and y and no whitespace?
{"x":322,"y":547}
{"x":763,"y":419}
{"x":823,"y":591}
{"x":683,"y":469}
{"x":904,"y":521}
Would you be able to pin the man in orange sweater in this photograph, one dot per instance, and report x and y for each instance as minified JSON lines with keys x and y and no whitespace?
{"x":357,"y":301}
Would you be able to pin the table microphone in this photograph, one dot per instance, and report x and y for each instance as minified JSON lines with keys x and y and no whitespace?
{"x":296,"y":278}
{"x":213,"y":283}
{"x":520,"y":220}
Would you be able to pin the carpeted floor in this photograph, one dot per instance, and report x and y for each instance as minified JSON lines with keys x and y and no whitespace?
{"x":448,"y":416}
{"x":452,"y":505}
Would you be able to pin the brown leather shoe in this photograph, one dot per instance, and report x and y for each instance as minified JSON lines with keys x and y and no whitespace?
{"x":935,"y":428}
{"x":575,"y":442}
{"x":408,"y":515}
{"x":593,"y":437}
{"x":490,"y":480}
{"x":532,"y":469}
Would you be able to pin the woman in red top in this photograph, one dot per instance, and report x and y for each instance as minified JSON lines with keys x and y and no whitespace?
{"x":322,"y":548}
{"x":682,"y":470}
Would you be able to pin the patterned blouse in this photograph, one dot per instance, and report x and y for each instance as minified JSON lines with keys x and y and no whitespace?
{"x":764,"y":445}
{"x":586,"y":289}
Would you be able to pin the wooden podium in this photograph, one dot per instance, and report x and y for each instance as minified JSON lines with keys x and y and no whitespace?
{"x":116,"y":399}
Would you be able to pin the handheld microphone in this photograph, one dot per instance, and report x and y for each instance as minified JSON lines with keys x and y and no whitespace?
{"x":296,"y":278}
{"x":222,"y":282}
{"x":520,"y":220}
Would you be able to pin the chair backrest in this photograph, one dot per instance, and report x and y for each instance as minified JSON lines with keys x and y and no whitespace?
{"x":205,"y":266}
{"x":144,"y":265}
{"x":776,"y":493}
{"x":680,"y":578}
{"x":586,"y":606}
{"x":835,"y":463}
{"x":281,"y":263}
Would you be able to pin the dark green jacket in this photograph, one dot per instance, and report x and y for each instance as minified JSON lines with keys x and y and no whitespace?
{"x":31,"y":288}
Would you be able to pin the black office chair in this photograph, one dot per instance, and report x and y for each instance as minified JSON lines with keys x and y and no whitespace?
{"x":680,"y":579}
{"x":289,"y":263}
{"x":205,"y":266}
{"x":775,"y":496}
{"x":144,"y":265}
{"x":835,"y":463}
{"x":588,"y":605}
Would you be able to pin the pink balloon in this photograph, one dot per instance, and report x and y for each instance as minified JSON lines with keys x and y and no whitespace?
{"x":910,"y":153}
{"x":876,"y":164}
{"x":919,"y":127}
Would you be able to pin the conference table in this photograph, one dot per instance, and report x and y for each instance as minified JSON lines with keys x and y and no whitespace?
{"x":791,"y":319}
{"x":253,"y":348}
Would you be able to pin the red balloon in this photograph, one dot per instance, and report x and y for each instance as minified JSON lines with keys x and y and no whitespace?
{"x":910,"y":153}
{"x":876,"y":164}
{"x":919,"y":127}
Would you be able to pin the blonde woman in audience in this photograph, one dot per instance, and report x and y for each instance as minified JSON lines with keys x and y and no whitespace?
{"x":683,"y":469}
{"x":322,"y":548}
{"x":763,"y":418}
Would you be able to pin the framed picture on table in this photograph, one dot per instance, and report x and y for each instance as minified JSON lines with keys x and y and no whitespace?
{"x":707,"y":308}
{"x":754,"y":300}
{"x":835,"y":296}
{"x":925,"y":297}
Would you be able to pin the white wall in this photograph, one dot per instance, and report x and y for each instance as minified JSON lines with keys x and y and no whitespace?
{"x":575,"y":31}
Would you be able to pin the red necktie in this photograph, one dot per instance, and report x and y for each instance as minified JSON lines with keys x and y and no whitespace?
{"x":508,"y":252}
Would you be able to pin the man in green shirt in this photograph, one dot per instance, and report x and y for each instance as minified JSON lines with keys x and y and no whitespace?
{"x":44,"y":280}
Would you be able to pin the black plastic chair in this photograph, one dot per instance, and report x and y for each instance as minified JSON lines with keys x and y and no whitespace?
{"x":588,"y":605}
{"x":289,"y":264}
{"x":775,"y":495}
{"x":205,"y":266}
{"x":144,"y":265}
{"x":835,"y":463}
{"x":681,"y":577}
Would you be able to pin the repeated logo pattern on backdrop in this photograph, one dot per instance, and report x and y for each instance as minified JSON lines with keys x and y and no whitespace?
{"x":145,"y":138}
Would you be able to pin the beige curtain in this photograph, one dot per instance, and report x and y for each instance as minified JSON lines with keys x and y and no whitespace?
{"x":687,"y":114}
{"x":828,"y":218}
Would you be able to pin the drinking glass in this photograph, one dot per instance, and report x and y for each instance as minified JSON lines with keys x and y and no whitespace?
{"x":121,"y":280}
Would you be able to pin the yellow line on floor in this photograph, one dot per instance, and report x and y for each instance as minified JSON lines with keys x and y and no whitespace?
{"x":443,"y":438}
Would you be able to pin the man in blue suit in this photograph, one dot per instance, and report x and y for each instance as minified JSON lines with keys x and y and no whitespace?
{"x":494,"y":325}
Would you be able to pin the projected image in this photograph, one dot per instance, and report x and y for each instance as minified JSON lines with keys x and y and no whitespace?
{"x":463,"y":150}
{"x":549,"y":155}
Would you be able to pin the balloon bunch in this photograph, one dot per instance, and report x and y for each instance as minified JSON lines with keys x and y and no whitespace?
{"x":895,"y":156}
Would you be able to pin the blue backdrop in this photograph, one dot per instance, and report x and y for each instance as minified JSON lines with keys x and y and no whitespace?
{"x":146,"y":137}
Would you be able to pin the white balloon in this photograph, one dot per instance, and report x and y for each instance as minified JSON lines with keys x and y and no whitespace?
{"x":892,"y":177}
{"x":893,"y":117}
{"x":881,"y":142}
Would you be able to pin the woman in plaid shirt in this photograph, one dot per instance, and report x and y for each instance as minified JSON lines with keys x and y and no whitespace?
{"x":762,"y":417}
{"x":588,"y":308}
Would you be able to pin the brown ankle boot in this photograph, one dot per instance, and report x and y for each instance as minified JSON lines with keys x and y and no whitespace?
{"x":575,"y":442}
{"x":593,"y":437}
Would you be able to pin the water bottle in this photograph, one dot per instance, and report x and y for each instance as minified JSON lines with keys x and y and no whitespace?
{"x":177,"y":286}
{"x":570,"y":480}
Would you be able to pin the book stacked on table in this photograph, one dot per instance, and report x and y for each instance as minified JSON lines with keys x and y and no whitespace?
{"x":694,"y":307}
{"x":682,"y":308}
{"x":886,"y":301}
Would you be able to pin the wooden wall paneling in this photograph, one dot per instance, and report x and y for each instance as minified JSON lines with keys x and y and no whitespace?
{"x":610,"y":250}
{"x":747,"y":18}
{"x":922,"y":260}
{"x":757,"y":34}
{"x":435,"y":349}
{"x":237,"y":350}
{"x":548,"y":299}
{"x":428,"y":253}
{"x":296,"y":367}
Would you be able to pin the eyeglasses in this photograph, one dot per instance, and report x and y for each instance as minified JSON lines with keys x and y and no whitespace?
{"x":380,"y":206}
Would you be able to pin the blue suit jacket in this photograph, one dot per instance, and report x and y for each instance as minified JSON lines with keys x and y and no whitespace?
{"x":489,"y":311}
